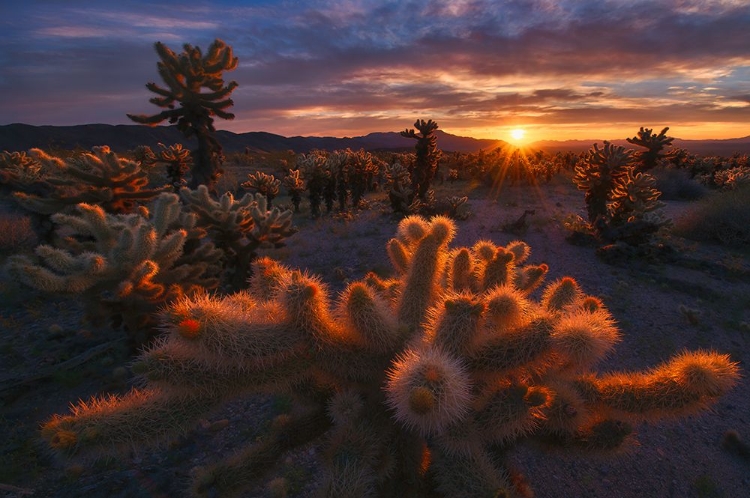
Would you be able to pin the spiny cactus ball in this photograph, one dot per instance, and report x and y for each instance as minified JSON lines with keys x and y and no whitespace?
{"x":412,"y":386}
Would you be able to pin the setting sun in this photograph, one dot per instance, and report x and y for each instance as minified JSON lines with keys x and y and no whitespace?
{"x":517,"y":134}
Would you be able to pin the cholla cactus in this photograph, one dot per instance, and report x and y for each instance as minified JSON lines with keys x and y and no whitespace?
{"x":732,"y":178}
{"x":97,"y":177}
{"x":177,"y":162}
{"x":266,"y":185}
{"x":654,"y":145}
{"x":633,"y":196}
{"x":399,"y":188}
{"x":21,"y":172}
{"x":186,"y":75}
{"x":618,"y":198}
{"x":415,"y":386}
{"x":294,"y":186}
{"x":316,"y":171}
{"x":239,"y":228}
{"x":427,"y":153}
{"x":128,"y":266}
{"x":597,"y":175}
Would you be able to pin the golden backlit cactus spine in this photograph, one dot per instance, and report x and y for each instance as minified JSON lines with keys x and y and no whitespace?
{"x":124,"y":267}
{"x":239,"y":227}
{"x":98,"y":177}
{"x":414,"y":386}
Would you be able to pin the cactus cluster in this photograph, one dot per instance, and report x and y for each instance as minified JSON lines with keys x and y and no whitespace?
{"x":124,"y":267}
{"x":98,"y":177}
{"x":263,"y":184}
{"x":416,"y":385}
{"x":342,"y":175}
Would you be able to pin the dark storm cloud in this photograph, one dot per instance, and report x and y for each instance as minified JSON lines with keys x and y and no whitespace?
{"x":547,"y":61}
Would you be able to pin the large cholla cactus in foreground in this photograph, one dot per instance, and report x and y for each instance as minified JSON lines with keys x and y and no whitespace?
{"x":124,"y":267}
{"x":414,"y":386}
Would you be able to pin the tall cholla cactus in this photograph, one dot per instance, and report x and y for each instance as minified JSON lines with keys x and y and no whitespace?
{"x":414,"y":386}
{"x":654,"y":144}
{"x":428,"y":155}
{"x":239,"y":227}
{"x":128,"y":266}
{"x":597,"y":175}
{"x":186,"y":75}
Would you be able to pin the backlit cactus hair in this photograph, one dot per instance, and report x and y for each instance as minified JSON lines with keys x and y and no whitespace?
{"x":413,"y":386}
{"x":239,"y":227}
{"x":124,"y":267}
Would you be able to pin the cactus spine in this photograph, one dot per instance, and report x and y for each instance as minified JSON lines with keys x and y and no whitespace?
{"x":419,"y":383}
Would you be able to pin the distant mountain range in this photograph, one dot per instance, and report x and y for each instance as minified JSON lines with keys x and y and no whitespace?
{"x":120,"y":138}
{"x":21,"y":137}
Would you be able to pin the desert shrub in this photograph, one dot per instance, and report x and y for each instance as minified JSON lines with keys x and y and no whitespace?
{"x":17,"y":234}
{"x":719,"y":217}
{"x":677,"y":185}
{"x":418,"y":385}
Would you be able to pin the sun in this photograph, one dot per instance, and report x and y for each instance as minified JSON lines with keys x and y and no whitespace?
{"x":517,"y":134}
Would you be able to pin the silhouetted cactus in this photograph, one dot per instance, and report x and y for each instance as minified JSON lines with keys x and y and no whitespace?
{"x":428,"y":155}
{"x":597,"y":175}
{"x":177,"y":162}
{"x":414,"y":386}
{"x":316,"y":171}
{"x":186,"y":75}
{"x":124,"y":267}
{"x":654,"y":145}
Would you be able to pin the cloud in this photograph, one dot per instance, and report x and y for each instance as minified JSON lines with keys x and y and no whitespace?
{"x":467,"y":61}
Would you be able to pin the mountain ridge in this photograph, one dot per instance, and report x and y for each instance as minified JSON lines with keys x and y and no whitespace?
{"x":121,"y":138}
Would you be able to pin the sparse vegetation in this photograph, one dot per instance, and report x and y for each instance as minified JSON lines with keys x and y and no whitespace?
{"x":720,"y":218}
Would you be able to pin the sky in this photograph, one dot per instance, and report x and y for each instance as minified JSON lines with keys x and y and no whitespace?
{"x":558,"y":70}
